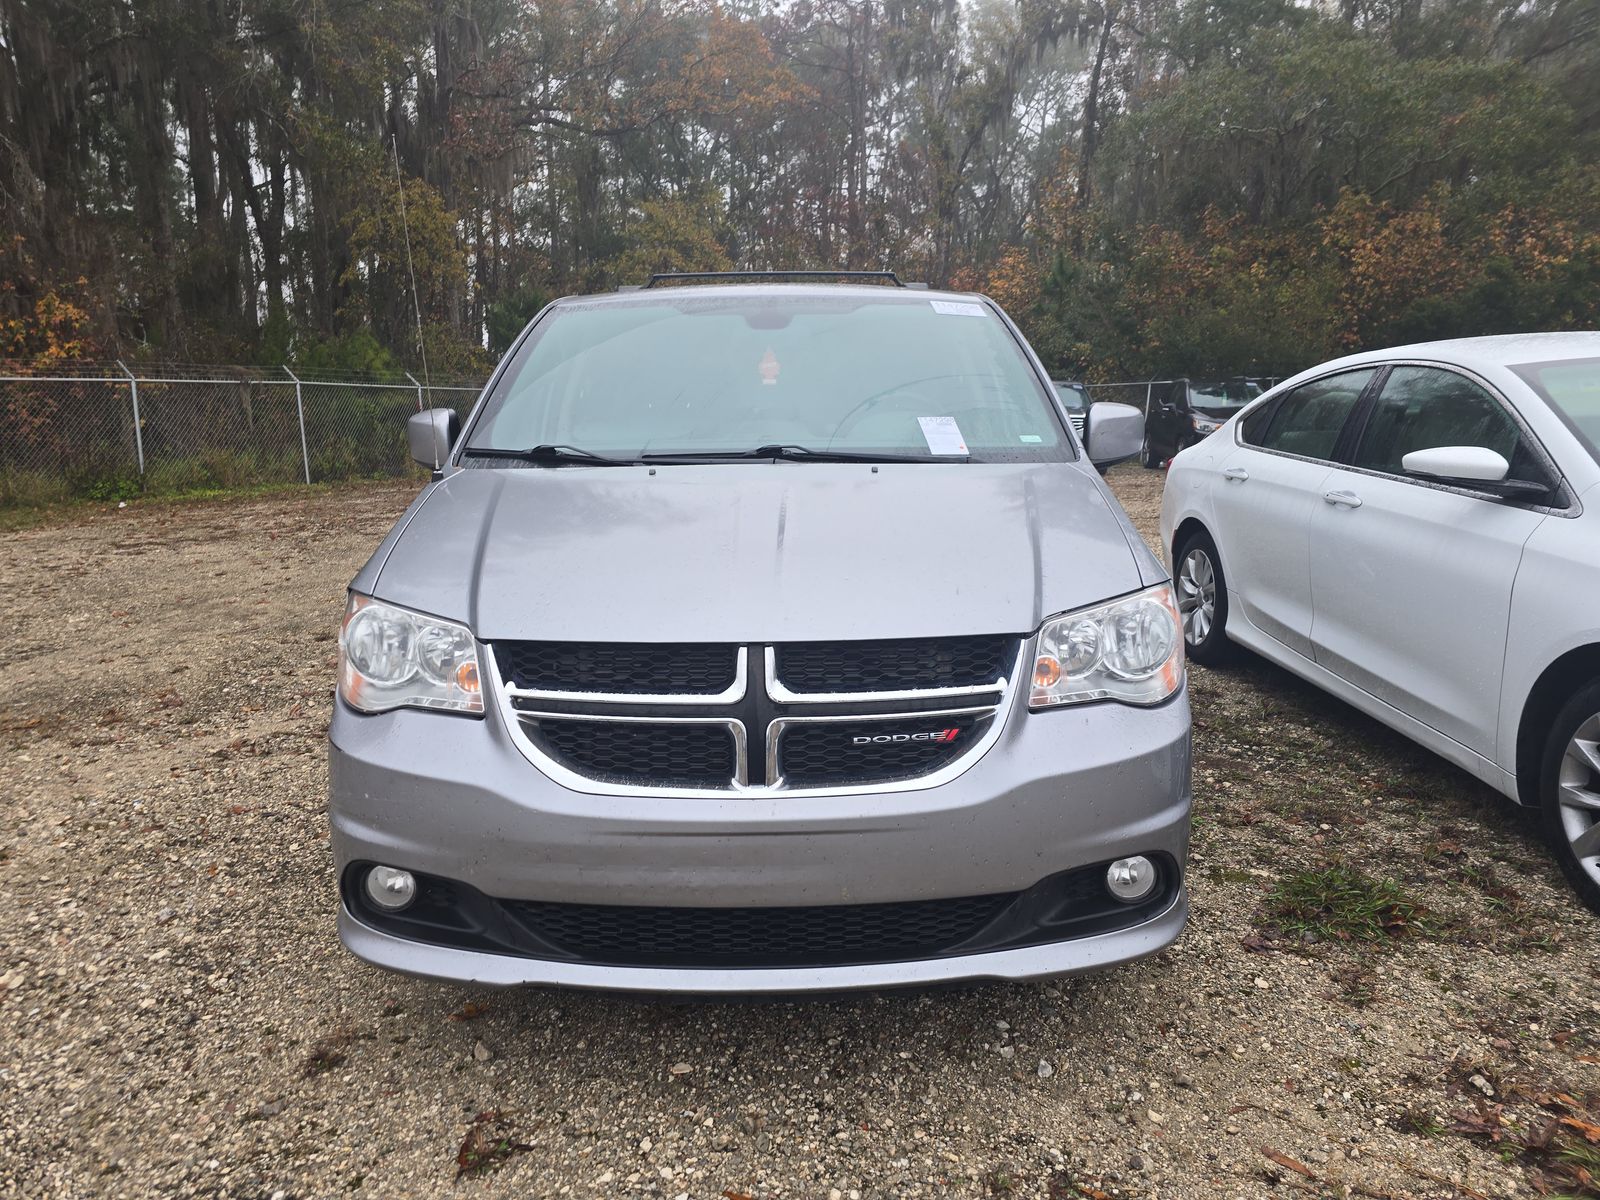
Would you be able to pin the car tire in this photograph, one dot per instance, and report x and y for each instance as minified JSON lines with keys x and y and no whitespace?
{"x":1202,"y":599}
{"x":1570,"y":778}
{"x":1149,"y":454}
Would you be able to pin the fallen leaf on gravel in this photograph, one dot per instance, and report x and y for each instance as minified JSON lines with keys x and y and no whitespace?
{"x":329,"y":1052}
{"x":488,"y":1144}
{"x":470,"y":1011}
{"x":1590,"y":1132}
{"x":1283,"y":1160}
{"x":730,"y":1194}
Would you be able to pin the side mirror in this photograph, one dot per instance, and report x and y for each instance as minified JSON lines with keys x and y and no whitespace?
{"x":1470,"y":466}
{"x":1113,"y":433}
{"x":431,"y":434}
{"x":1457,"y":462}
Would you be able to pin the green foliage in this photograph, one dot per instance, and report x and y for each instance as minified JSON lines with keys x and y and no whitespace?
{"x":1216,"y":185}
{"x":678,"y":233}
{"x":357,"y":352}
{"x":508,"y":316}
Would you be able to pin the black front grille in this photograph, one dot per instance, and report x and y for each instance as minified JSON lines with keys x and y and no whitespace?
{"x":826,"y":753}
{"x":898,"y":665}
{"x":623,"y":668}
{"x":660,"y":755}
{"x":757,"y":937}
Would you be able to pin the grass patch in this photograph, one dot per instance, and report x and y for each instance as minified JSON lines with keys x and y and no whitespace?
{"x":1340,"y":903}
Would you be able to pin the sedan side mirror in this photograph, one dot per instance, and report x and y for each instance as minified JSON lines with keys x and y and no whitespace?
{"x":1472,"y":467}
{"x":1477,"y":463}
{"x":1113,"y":433}
{"x":431,"y":434}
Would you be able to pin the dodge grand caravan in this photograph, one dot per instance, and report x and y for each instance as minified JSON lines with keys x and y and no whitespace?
{"x":762,"y":637}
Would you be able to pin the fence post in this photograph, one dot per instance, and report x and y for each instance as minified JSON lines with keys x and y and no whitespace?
{"x":413,"y":379}
{"x":300,"y":411}
{"x":138,"y":434}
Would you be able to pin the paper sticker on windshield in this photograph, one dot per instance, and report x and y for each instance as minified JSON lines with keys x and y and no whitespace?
{"x":956,"y":308}
{"x":942,"y":435}
{"x":1030,"y":437}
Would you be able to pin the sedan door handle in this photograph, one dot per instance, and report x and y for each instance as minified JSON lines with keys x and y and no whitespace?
{"x":1238,"y":473}
{"x":1348,"y":499}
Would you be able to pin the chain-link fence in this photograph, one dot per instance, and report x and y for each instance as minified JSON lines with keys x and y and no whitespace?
{"x":1141,"y":393}
{"x":103,"y":431}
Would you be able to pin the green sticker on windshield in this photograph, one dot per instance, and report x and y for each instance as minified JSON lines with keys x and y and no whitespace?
{"x":1030,"y":437}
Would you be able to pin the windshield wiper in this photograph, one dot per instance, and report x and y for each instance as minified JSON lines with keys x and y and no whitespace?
{"x":552,"y":456}
{"x":794,"y":453}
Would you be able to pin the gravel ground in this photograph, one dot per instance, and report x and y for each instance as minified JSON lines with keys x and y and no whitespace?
{"x":1384,"y":991}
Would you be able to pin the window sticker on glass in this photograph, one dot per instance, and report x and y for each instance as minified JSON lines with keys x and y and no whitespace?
{"x":1029,"y":437}
{"x":942,"y":435}
{"x":956,"y":308}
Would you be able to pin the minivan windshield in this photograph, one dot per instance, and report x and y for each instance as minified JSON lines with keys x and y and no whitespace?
{"x":1211,"y":396}
{"x":709,"y":370}
{"x":1073,"y":395}
{"x":1573,"y":390}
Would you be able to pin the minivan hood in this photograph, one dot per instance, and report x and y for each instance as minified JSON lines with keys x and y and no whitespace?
{"x":759,"y":552}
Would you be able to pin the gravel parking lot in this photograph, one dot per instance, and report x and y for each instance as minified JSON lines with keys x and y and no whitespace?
{"x":1385,"y":989}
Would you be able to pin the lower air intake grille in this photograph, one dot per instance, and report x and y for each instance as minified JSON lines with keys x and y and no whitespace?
{"x":660,"y":755}
{"x":758,"y":937}
{"x":896,"y":665}
{"x":828,"y":753}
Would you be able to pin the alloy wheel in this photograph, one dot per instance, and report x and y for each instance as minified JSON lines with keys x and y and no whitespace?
{"x":1197,"y":595}
{"x":1578,"y":795}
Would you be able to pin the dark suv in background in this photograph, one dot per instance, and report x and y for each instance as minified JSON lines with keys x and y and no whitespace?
{"x":1186,"y":411}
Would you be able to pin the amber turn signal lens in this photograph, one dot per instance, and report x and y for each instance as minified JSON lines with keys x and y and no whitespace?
{"x":467,"y":677}
{"x":1046,"y":671}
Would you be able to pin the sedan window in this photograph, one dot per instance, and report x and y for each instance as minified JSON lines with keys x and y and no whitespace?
{"x":1308,"y":420}
{"x":1422,"y":408}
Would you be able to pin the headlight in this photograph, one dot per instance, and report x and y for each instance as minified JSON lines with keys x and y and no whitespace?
{"x":392,"y":657}
{"x":1129,"y":650}
{"x":1201,"y":425}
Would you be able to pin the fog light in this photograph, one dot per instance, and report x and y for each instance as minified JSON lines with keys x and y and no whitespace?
{"x":1131,"y":879}
{"x":392,"y":889}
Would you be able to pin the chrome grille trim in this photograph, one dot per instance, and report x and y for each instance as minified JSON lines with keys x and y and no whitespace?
{"x":998,"y":711}
{"x":776,"y":730}
{"x":741,"y":751}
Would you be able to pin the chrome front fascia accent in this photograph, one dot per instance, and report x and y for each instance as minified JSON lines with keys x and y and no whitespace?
{"x":783,"y":695}
{"x":1004,"y":700}
{"x":732,"y":694}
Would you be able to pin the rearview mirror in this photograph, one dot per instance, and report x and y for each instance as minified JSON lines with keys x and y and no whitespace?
{"x":431,"y":434}
{"x":1113,"y":433}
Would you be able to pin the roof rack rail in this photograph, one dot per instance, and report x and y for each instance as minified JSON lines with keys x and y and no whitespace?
{"x":740,"y":276}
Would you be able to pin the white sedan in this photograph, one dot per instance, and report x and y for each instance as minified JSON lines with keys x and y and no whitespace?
{"x":1417,"y":531}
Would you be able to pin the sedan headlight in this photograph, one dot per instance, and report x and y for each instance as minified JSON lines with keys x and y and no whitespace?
{"x":1204,"y":426}
{"x":1129,"y":650}
{"x":392,"y":657}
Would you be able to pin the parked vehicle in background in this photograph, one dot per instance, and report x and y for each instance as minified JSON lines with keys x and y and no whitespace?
{"x":1185,"y":411}
{"x":1075,"y":400}
{"x":762,"y":637}
{"x":1418,"y":531}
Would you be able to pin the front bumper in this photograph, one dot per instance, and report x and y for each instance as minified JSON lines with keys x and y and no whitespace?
{"x":453,"y":797}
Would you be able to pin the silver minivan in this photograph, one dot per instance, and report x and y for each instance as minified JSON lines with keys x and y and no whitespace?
{"x":762,"y":637}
